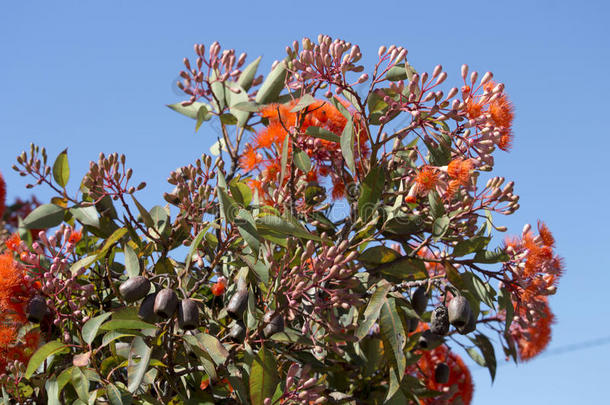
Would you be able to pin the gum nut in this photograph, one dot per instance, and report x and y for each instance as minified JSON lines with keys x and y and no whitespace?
{"x":439,"y":322}
{"x":419,"y":301}
{"x":275,"y":325}
{"x":427,"y":339}
{"x":37,"y":309}
{"x":412,"y":324}
{"x":134,"y":288}
{"x":459,"y":311}
{"x":146,"y":311}
{"x":470,"y":326}
{"x":166,"y":303}
{"x":238,"y":332}
{"x":237,"y":304}
{"x":188,"y":314}
{"x":441,"y":373}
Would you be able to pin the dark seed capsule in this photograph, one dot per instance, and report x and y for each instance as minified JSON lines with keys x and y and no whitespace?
{"x":428,"y":340}
{"x":275,"y":324}
{"x":419,"y":301}
{"x":459,"y":311}
{"x":188,"y":314}
{"x":237,"y":304}
{"x":439,"y":322}
{"x":441,"y":373}
{"x":166,"y":303}
{"x":470,"y":326}
{"x":146,"y":311}
{"x":134,"y":288}
{"x":37,"y":309}
{"x":238,"y":332}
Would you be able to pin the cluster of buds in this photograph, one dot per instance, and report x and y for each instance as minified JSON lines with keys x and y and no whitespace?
{"x":109,"y":177}
{"x":329,"y":61}
{"x":192,"y":193}
{"x":34,"y":164}
{"x":208,"y":71}
{"x":300,"y":388}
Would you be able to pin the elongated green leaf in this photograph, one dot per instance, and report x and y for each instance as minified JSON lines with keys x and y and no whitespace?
{"x":114,"y":395}
{"x":376,"y":255}
{"x":61,"y":169}
{"x":437,"y":209}
{"x":488,"y":354}
{"x":228,"y":205}
{"x":471,"y":245}
{"x":303,"y":103}
{"x":393,"y":335}
{"x":241,"y":193}
{"x":80,"y":383}
{"x":210,"y":345}
{"x":132,"y":264}
{"x":52,"y":347}
{"x":371,"y":313}
{"x":247,"y":229}
{"x":347,"y":145}
{"x":202,"y":115}
{"x":160,"y":219}
{"x":396,"y":73}
{"x":126,"y":324}
{"x":83,"y":263}
{"x":491,"y":256}
{"x":52,"y":390}
{"x":440,"y":227}
{"x":273,"y":85}
{"x":247,"y":75}
{"x":238,"y":96}
{"x":148,"y":221}
{"x":284,"y":158}
{"x":44,"y":216}
{"x":370,"y":193}
{"x":507,"y":304}
{"x":476,"y":356}
{"x":279,"y":225}
{"x":136,"y":371}
{"x":86,"y":216}
{"x":263,"y":377}
{"x":194,"y":246}
{"x":190,"y":111}
{"x":91,"y":327}
{"x":301,"y":160}
{"x":322,"y":133}
{"x":112,"y":239}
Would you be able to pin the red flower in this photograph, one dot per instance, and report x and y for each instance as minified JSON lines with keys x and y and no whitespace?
{"x":75,"y":237}
{"x":426,"y":179}
{"x":532,"y":337}
{"x":13,"y":242}
{"x":218,"y":288}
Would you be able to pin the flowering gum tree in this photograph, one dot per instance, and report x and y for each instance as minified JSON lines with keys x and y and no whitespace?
{"x":338,"y":247}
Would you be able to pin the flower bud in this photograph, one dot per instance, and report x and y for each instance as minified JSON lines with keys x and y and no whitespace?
{"x":165,"y":303}
{"x":439,"y":322}
{"x":135,"y":288}
{"x":188,"y":314}
{"x":459,"y":311}
{"x":441,"y":373}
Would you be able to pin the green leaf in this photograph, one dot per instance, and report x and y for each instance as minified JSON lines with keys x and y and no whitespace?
{"x":263,"y":377}
{"x":202,"y":115}
{"x":301,"y":160}
{"x":390,"y":263}
{"x":371,"y":313}
{"x":493,"y":256}
{"x":91,"y":327}
{"x":61,"y":169}
{"x":44,"y":216}
{"x":80,"y":383}
{"x":238,"y":96}
{"x":322,"y":133}
{"x":396,"y":73}
{"x":112,"y":240}
{"x":228,"y":205}
{"x":83,"y":263}
{"x":303,"y":103}
{"x":247,"y":106}
{"x":284,"y":158}
{"x":132,"y":264}
{"x":160,"y":219}
{"x":273,"y":85}
{"x":376,"y":255}
{"x":277,"y":224}
{"x":210,"y":345}
{"x":126,"y":324}
{"x":476,"y":356}
{"x":148,"y":221}
{"x":474,"y":244}
{"x":52,"y":347}
{"x":190,"y":111}
{"x":247,"y":229}
{"x":437,"y":208}
{"x":86,"y":216}
{"x":440,"y":227}
{"x":506,"y":303}
{"x":241,"y":193}
{"x":347,"y":144}
{"x":114,"y":335}
{"x":370,"y":193}
{"x":194,"y":245}
{"x":114,"y":395}
{"x":488,"y":354}
{"x":136,"y":371}
{"x":218,"y":91}
{"x":52,"y":390}
{"x":393,"y":335}
{"x":247,"y":75}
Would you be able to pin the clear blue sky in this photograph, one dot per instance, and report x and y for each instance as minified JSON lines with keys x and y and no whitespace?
{"x":95,"y":76}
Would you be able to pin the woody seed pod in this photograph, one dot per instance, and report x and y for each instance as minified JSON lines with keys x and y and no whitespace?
{"x":470,"y":326}
{"x":146,"y":311}
{"x":459,"y":311}
{"x":188,"y":314}
{"x":134,"y":288}
{"x":37,"y":309}
{"x":275,"y":324}
{"x":419,"y":301}
{"x":439,"y":322}
{"x":166,"y":303}
{"x":428,"y":340}
{"x":441,"y":373}
{"x":238,"y":332}
{"x":238,"y":303}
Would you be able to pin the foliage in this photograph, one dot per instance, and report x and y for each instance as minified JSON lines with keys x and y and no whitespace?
{"x":342,"y":213}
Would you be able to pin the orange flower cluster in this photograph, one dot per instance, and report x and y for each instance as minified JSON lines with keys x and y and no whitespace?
{"x":532,"y":337}
{"x":265,"y":151}
{"x":15,"y":293}
{"x":497,"y":110}
{"x":460,"y":379}
{"x":459,"y":171}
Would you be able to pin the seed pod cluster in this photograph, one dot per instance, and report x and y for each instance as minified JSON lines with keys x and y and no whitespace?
{"x":275,"y":323}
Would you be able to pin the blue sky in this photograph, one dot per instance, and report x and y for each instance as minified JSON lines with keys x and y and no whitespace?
{"x":95,"y":76}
